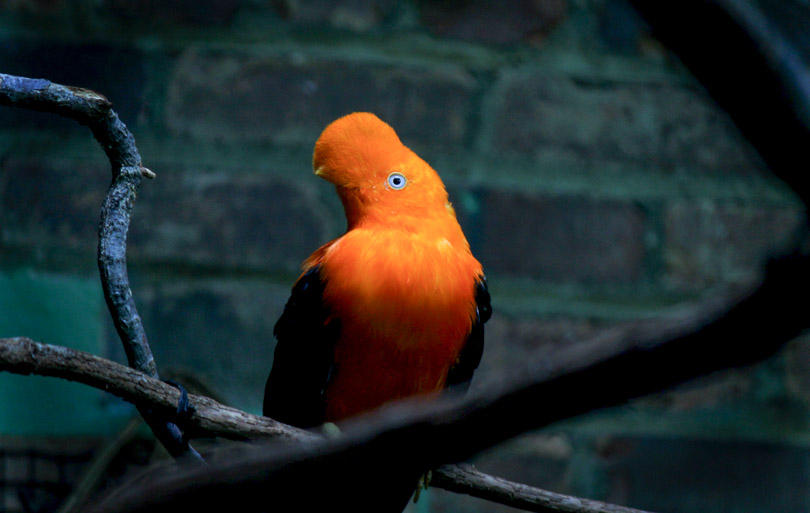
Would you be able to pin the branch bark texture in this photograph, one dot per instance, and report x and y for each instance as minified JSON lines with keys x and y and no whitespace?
{"x":211,"y":419}
{"x":467,"y":479}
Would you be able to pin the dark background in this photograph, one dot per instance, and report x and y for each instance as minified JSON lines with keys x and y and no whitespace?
{"x":595,"y":179}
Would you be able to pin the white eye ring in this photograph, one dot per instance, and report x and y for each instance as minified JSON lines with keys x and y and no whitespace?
{"x":397,"y":181}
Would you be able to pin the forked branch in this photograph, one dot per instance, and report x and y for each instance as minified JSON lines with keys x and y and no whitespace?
{"x":95,"y":111}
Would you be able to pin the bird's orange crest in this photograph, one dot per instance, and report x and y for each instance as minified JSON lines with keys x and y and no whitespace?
{"x":376,"y":176}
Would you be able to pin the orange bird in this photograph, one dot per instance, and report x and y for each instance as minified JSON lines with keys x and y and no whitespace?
{"x":393,"y":308}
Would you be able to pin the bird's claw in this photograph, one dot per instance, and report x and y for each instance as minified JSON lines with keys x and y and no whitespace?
{"x":184,"y":407}
{"x":422,"y":484}
{"x":331,"y":430}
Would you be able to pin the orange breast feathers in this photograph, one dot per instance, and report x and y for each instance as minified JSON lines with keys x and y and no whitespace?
{"x":401,"y":282}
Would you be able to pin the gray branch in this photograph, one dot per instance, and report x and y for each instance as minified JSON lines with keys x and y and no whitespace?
{"x":21,"y":355}
{"x":95,"y":111}
{"x":467,"y":479}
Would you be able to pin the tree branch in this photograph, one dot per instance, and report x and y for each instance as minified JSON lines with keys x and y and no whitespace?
{"x":95,"y":111}
{"x":21,"y":355}
{"x":467,"y":479}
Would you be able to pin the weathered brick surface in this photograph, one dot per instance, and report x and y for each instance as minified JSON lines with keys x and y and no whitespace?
{"x":623,"y":30}
{"x":661,"y":124}
{"x":35,"y":6}
{"x":709,"y":243}
{"x":51,"y":202}
{"x":717,"y":390}
{"x":355,"y":15}
{"x":562,"y":239}
{"x":524,"y":21}
{"x":227,"y":97}
{"x":705,"y":475}
{"x":197,"y":12}
{"x":513,"y":342}
{"x":213,"y":219}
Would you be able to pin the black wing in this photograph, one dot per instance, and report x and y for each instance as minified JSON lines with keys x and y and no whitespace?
{"x":304,"y":356}
{"x":461,"y":372}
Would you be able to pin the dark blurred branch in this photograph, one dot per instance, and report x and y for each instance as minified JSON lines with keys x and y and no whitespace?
{"x":95,"y":111}
{"x":209,"y":419}
{"x":752,"y":68}
{"x":409,"y":438}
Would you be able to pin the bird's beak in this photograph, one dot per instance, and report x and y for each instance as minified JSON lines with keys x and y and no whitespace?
{"x":327,"y":175}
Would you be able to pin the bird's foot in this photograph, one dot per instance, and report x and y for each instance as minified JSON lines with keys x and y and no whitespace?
{"x":422,"y":484}
{"x":184,"y":407}
{"x":331,"y":430}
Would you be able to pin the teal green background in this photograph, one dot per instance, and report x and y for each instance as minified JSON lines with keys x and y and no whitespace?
{"x":60,"y":310}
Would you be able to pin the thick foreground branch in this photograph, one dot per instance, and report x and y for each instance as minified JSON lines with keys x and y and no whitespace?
{"x":211,"y":419}
{"x":413,"y":437}
{"x":607,"y":371}
{"x":751,"y":67}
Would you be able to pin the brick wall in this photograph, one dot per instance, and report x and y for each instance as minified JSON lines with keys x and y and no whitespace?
{"x":596,"y":181}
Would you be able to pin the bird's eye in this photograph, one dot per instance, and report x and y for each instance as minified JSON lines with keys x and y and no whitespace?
{"x":397,"y":180}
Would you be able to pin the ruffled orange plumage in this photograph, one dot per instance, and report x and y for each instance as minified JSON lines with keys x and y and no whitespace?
{"x":397,"y":303}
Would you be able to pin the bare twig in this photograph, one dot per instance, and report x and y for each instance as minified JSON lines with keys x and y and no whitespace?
{"x":467,"y":479}
{"x":95,"y":111}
